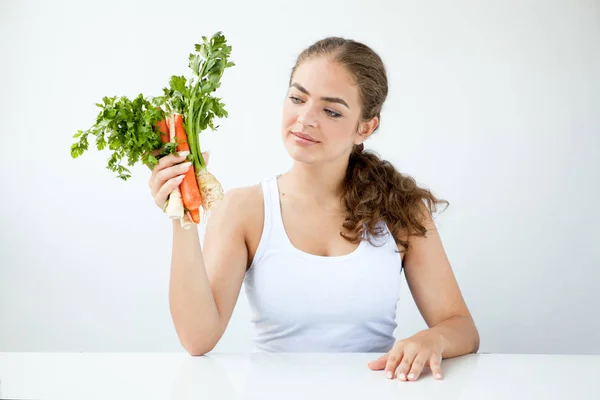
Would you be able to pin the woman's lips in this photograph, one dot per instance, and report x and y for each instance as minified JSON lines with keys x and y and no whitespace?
{"x":304,"y":139}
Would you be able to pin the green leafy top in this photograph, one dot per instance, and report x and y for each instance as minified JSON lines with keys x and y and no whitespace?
{"x":129,"y":129}
{"x":193,"y":98}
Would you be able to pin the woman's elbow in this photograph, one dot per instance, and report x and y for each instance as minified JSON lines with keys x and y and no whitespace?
{"x":476,"y":339}
{"x":197,"y":351}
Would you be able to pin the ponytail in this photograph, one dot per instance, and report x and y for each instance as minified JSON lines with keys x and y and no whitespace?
{"x":375,"y":191}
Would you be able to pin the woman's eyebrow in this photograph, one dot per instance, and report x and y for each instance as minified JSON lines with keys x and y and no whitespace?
{"x":328,"y":99}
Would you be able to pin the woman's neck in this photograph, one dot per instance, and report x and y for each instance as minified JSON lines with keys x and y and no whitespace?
{"x":322,"y":183}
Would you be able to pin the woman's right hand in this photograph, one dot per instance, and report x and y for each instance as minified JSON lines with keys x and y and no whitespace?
{"x":167,"y":175}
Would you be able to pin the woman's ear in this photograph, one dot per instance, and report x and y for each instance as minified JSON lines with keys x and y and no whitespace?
{"x":365,"y":129}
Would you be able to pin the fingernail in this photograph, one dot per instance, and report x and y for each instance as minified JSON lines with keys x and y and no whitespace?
{"x":411,"y":376}
{"x":438,"y":376}
{"x":388,"y":374}
{"x":183,"y":153}
{"x":185,"y":165}
{"x":402,"y":377}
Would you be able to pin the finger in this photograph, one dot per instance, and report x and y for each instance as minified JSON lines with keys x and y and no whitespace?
{"x":161,"y":197}
{"x":164,"y":175}
{"x":156,"y":152}
{"x":168,"y":161}
{"x":417,"y":366}
{"x":404,"y":366}
{"x":206,"y":157}
{"x":379,"y":364}
{"x":393,"y":359}
{"x":435,"y":364}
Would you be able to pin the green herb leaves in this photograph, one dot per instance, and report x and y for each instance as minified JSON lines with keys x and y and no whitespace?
{"x":208,"y":66}
{"x":129,"y":127}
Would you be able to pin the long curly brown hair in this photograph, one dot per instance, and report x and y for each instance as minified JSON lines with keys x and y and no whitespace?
{"x":374,"y":190}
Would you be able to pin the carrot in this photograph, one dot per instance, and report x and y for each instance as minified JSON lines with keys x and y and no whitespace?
{"x":164,"y":130}
{"x":190,"y":193}
{"x":195,"y":216}
{"x":165,"y":137}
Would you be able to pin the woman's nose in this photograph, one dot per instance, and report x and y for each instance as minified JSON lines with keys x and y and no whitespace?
{"x":307,"y":119}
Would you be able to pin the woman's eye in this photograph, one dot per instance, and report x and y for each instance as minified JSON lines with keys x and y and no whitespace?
{"x":333,"y":114}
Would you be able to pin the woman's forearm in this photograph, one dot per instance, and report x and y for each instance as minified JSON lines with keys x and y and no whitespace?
{"x":459,"y":336}
{"x":192,"y":304}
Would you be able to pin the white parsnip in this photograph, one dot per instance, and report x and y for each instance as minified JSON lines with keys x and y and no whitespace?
{"x":175,"y":205}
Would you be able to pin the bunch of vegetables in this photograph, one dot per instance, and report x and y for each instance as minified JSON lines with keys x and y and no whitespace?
{"x":148,"y":128}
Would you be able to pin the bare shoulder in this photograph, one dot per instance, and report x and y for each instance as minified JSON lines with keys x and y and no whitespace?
{"x":243,"y":209}
{"x":403,"y":234}
{"x":235,"y":201}
{"x":242,"y":202}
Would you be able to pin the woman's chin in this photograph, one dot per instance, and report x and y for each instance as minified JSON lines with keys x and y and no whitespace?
{"x":300,"y":154}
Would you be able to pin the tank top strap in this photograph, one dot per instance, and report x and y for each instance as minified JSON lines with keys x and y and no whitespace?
{"x":278,"y":234}
{"x":274,"y":234}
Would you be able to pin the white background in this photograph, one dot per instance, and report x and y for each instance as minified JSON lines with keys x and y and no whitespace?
{"x":494,"y":105}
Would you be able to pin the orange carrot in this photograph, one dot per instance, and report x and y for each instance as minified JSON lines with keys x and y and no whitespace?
{"x":195,"y":215}
{"x":164,"y":130}
{"x":190,"y":193}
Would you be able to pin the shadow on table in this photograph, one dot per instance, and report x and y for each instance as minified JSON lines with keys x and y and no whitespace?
{"x":203,"y":378}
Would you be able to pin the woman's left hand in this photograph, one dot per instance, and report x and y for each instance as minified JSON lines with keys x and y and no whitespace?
{"x":408,"y":357}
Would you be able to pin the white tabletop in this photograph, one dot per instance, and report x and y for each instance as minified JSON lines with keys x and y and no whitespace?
{"x":288,"y":376}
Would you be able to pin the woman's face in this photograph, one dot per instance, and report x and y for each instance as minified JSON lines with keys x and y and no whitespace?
{"x":321,"y":112}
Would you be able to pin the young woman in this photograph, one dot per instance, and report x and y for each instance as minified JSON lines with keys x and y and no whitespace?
{"x":321,"y":247}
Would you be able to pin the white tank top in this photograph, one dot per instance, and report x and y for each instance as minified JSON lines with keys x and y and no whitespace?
{"x":303,"y":302}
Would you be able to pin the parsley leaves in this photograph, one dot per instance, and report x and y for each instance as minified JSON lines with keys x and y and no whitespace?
{"x":128,"y":127}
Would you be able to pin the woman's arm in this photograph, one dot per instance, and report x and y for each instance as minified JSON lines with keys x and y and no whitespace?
{"x":452,"y":331}
{"x":437,"y":294}
{"x":205,"y":283}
